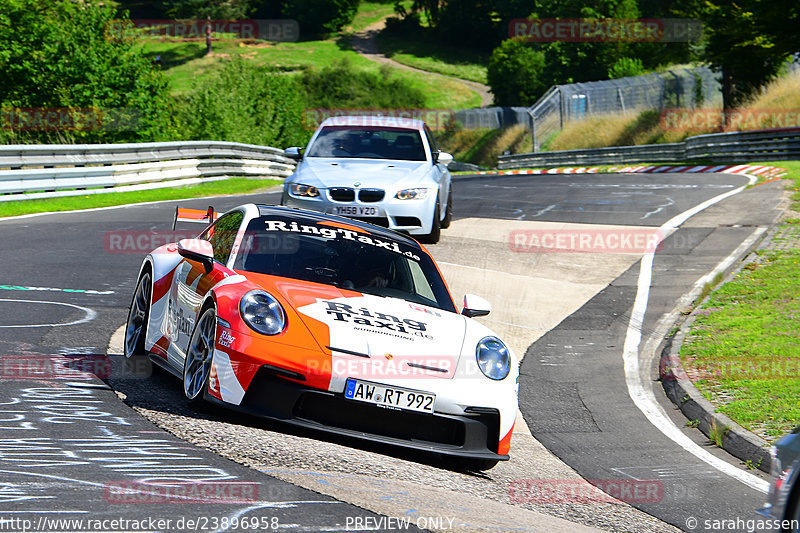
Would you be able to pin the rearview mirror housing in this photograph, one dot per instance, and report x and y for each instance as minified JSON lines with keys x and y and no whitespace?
{"x":294,"y":152}
{"x":475,"y":306}
{"x":199,"y":251}
{"x":444,"y":158}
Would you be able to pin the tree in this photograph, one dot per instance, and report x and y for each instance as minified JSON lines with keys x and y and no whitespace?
{"x":748,"y":41}
{"x":62,"y":54}
{"x":214,"y":9}
{"x":319,"y":18}
{"x":515,"y":74}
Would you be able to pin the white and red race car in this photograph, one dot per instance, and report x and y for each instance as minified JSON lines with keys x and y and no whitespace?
{"x":326,"y":323}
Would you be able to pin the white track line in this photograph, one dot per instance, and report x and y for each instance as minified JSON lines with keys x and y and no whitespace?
{"x":90,"y":314}
{"x":643,"y":396}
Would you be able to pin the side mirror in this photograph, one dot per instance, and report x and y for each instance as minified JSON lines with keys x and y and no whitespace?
{"x":294,"y":152}
{"x":197,"y":250}
{"x":475,"y":306}
{"x":444,"y":158}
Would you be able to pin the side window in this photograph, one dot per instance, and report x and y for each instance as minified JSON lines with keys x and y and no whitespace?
{"x":222,"y":235}
{"x":421,"y":284}
{"x":431,"y":140}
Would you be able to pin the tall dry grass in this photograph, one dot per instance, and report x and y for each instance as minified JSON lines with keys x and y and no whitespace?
{"x":783,"y":93}
{"x":482,"y":147}
{"x":777,"y":105}
{"x":614,"y":130}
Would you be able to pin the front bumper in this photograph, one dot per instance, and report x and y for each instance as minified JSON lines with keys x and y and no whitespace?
{"x":411,"y":216}
{"x":473,"y":435}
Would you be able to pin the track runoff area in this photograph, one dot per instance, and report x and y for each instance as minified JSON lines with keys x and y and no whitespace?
{"x":583,"y":272}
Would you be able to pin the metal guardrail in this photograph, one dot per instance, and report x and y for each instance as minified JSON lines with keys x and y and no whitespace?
{"x":746,"y":146}
{"x":734,"y":147}
{"x":67,"y":170}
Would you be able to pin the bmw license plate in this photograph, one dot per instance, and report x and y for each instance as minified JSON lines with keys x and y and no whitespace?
{"x":354,"y":210}
{"x":393,"y":397}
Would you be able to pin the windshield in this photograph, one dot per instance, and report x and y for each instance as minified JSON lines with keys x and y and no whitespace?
{"x":323,"y":252}
{"x":368,"y":142}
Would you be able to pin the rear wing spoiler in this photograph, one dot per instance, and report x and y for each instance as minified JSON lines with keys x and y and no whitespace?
{"x":183,"y":214}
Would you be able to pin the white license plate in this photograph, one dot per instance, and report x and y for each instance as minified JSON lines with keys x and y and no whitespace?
{"x":396,"y":397}
{"x":353,"y":210}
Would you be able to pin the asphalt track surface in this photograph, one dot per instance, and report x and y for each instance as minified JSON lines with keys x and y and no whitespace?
{"x":64,"y":445}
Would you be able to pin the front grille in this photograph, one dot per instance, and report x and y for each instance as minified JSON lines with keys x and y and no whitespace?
{"x":342,"y":194}
{"x":371,"y":195}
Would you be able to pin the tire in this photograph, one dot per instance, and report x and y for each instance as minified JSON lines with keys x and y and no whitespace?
{"x":138,"y":315}
{"x":436,"y":229}
{"x":448,"y":211}
{"x":197,"y":365}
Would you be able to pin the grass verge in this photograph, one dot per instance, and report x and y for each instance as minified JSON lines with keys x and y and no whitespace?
{"x":89,"y":201}
{"x":185,"y":62}
{"x":793,"y":168}
{"x":742,"y":351}
{"x":370,"y":12}
{"x":450,"y":61}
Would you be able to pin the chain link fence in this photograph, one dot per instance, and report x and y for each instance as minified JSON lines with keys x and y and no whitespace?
{"x":678,"y":88}
{"x":492,"y":118}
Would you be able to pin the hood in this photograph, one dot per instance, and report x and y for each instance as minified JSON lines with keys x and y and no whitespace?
{"x":377,"y":338}
{"x":326,"y":172}
{"x":373,"y":337}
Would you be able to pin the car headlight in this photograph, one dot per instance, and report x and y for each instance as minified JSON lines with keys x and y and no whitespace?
{"x":411,"y":194}
{"x":262,"y":313}
{"x":493,"y":357}
{"x":298,"y":189}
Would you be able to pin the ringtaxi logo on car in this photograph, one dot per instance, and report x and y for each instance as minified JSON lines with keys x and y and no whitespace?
{"x":332,"y":232}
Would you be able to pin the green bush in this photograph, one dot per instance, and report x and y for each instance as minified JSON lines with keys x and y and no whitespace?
{"x":58,"y":54}
{"x":319,"y":18}
{"x":244,"y":103}
{"x":624,"y":67}
{"x":515,"y":74}
{"x":341,"y":85}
